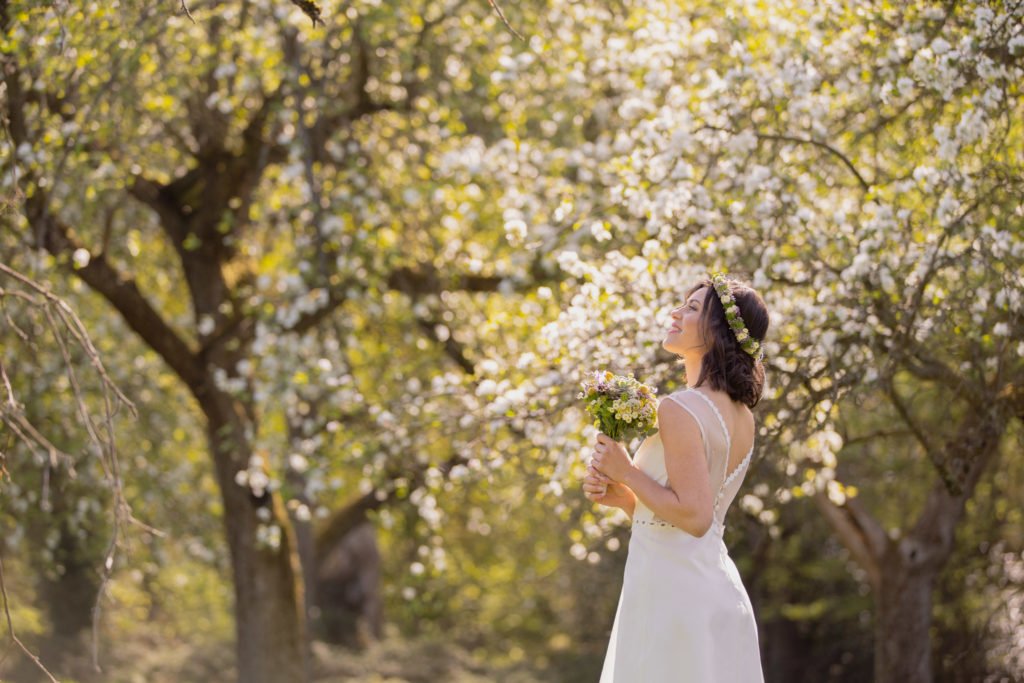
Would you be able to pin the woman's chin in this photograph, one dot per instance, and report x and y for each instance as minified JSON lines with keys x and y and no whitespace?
{"x":672,"y":345}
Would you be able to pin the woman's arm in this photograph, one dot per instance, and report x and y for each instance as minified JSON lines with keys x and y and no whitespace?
{"x":630,"y":506}
{"x":616,"y":494}
{"x":666,"y":504}
{"x":629,"y":502}
{"x":687,"y":500}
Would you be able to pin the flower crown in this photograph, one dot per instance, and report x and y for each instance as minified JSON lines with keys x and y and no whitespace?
{"x":732,"y":314}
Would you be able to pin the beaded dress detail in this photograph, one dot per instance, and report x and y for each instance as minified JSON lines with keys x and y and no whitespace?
{"x":684,"y":615}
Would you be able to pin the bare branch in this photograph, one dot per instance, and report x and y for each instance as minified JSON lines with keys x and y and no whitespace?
{"x":10,"y":628}
{"x":26,"y":433}
{"x":452,"y":348}
{"x":865,"y":185}
{"x":66,"y":327}
{"x":123,"y":293}
{"x":72,"y":324}
{"x":505,"y":21}
{"x":184,"y":8}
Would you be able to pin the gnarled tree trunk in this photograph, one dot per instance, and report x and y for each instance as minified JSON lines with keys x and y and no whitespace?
{"x":903,"y":618}
{"x":350,"y":607}
{"x":903,"y":570}
{"x":269,"y":618}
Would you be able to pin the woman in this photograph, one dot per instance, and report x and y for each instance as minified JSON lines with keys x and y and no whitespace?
{"x":684,"y":615}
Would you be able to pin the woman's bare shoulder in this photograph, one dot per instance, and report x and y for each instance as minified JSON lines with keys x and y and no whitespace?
{"x":737,"y":410}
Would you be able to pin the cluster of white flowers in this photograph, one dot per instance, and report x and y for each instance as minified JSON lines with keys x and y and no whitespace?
{"x":300,"y":510}
{"x":287,"y":314}
{"x":630,"y":409}
{"x":255,"y":477}
{"x":268,"y":536}
{"x":515,"y":231}
{"x":426,"y":504}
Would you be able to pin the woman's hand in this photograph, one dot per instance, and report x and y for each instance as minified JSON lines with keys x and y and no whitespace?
{"x":610,"y":458}
{"x":595,"y":485}
{"x":600,"y":489}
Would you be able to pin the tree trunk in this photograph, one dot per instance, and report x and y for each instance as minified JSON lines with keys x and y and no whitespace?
{"x":269,"y":619}
{"x":303,"y":527}
{"x":68,"y":599}
{"x":307,"y":560}
{"x":903,"y":609}
{"x":350,"y":606}
{"x":903,"y":572}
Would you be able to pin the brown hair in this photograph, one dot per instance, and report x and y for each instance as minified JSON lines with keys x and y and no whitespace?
{"x":726,"y":366}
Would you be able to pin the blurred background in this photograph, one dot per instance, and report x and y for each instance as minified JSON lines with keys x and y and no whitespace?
{"x":296,"y":299}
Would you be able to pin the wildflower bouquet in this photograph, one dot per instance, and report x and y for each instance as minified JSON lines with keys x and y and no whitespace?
{"x":622,"y":407}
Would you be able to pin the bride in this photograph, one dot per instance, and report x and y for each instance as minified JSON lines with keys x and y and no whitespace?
{"x":684,"y":615}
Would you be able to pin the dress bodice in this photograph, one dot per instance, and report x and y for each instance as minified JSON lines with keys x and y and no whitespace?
{"x":650,"y":458}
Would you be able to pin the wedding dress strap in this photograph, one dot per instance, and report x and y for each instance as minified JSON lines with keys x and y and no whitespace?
{"x":728,"y":438}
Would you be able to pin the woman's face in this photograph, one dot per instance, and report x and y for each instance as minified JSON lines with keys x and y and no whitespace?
{"x":683,"y":334}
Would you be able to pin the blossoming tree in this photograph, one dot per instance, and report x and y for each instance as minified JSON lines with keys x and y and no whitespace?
{"x":427,"y":189}
{"x":861,"y":165}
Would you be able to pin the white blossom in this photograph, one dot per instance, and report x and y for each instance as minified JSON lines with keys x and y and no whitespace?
{"x":81,"y":257}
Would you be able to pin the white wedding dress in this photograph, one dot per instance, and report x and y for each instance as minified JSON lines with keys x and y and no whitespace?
{"x":684,"y":615}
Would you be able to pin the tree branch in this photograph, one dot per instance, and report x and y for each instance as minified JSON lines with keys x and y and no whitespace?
{"x":967,"y":454}
{"x":336,"y":296}
{"x":859,"y":532}
{"x":121,"y":291}
{"x":427,"y":280}
{"x":60,"y":240}
{"x":501,"y":15}
{"x":916,"y":429}
{"x":343,"y":521}
{"x":825,"y":146}
{"x":10,"y":628}
{"x":452,"y":348}
{"x":804,"y":141}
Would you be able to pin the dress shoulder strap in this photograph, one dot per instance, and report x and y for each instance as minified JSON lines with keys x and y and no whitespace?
{"x":680,"y":399}
{"x":721,"y":421}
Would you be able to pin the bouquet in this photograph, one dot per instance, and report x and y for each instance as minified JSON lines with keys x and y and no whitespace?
{"x":622,"y":407}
